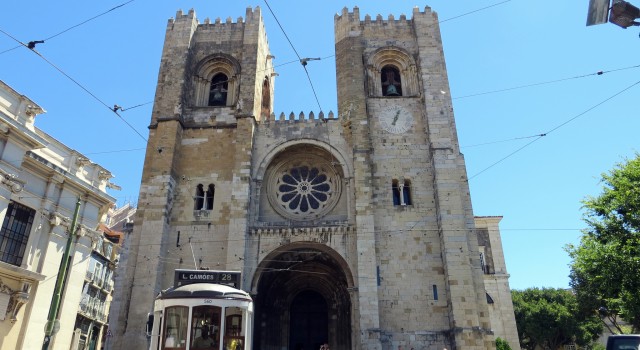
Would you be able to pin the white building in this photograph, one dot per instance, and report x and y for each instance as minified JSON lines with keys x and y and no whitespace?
{"x":41,"y":180}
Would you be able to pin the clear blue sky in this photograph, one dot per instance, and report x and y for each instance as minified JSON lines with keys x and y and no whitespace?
{"x":538,"y":190}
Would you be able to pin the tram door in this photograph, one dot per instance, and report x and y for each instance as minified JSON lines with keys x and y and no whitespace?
{"x":309,"y":322}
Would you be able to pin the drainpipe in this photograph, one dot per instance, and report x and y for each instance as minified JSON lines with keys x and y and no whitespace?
{"x":53,"y":324}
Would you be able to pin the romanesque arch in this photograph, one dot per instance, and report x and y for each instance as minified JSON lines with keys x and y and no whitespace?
{"x":392,"y":66}
{"x":216,"y":82}
{"x":302,"y":294}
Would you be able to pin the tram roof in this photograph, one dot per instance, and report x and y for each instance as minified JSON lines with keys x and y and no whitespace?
{"x":204,"y":290}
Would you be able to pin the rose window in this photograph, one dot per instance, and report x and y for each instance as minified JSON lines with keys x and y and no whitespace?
{"x":303,"y":190}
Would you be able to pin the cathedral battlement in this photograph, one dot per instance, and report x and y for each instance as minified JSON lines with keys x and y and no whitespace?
{"x":348,"y":22}
{"x":354,"y":16}
{"x":181,"y":16}
{"x":250,"y":15}
{"x":363,"y":215}
{"x":301,"y":117}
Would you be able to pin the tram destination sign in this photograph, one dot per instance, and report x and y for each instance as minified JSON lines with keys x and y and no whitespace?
{"x":228,"y":278}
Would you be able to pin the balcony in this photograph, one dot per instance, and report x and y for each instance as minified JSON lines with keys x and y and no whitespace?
{"x":93,"y":308}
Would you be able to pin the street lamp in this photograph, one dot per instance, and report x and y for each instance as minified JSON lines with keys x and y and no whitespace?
{"x":620,"y":13}
{"x":623,"y":14}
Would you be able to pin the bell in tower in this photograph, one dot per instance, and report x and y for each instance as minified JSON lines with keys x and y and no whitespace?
{"x":391,"y":86}
{"x":218,"y":90}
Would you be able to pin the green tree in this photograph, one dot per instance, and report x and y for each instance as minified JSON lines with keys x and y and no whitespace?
{"x":605,"y":271}
{"x":502,"y":344}
{"x":551,"y":317}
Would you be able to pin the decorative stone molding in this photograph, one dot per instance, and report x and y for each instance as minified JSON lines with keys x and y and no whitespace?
{"x":113,"y":186}
{"x":11,"y":180}
{"x":207,"y":69}
{"x":4,"y":128}
{"x":17,"y":298}
{"x":31,"y":111}
{"x":104,"y":175}
{"x":93,"y":235}
{"x":308,"y":234}
{"x":4,"y":288}
{"x":303,"y":186}
{"x":81,"y":161}
{"x":395,"y":57}
{"x":56,"y":219}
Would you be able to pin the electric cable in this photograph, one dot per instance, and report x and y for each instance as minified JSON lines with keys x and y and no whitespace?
{"x":556,"y":128}
{"x":116,"y":151}
{"x":303,"y":61}
{"x":474,"y":11}
{"x":598,"y":73}
{"x":122,"y":109}
{"x":269,"y":240}
{"x":77,"y":83}
{"x":68,"y":29}
{"x":501,"y":141}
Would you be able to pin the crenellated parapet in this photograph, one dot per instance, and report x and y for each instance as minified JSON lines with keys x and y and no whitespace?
{"x":227,"y":24}
{"x":348,"y":23}
{"x":300,"y":117}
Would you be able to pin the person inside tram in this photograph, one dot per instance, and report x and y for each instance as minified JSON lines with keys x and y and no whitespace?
{"x":204,"y":341}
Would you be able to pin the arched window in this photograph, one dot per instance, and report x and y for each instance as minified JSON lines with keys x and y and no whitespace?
{"x":392,"y":71}
{"x":218,"y":90}
{"x":395,"y":190}
{"x":204,"y":200}
{"x":401,"y":192}
{"x":266,"y":100}
{"x":215,"y":82}
{"x":406,"y":193}
{"x":390,"y":79}
{"x":199,"y":198}
{"x":209,"y":197}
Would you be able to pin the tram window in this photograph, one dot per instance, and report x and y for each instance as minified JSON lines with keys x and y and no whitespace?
{"x":175,"y":328}
{"x":233,"y":325}
{"x":205,"y":327}
{"x":234,"y":336}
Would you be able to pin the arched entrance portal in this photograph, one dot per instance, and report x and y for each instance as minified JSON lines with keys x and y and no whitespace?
{"x":302,"y":300}
{"x":308,"y":326}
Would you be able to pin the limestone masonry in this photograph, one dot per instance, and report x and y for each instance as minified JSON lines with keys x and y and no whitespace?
{"x":353,"y":228}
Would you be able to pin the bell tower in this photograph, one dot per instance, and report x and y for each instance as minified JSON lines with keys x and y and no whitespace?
{"x":214,"y":84}
{"x":412,"y":203}
{"x":353,"y":229}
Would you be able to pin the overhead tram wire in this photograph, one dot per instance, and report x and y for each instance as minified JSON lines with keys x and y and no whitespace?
{"x":115,"y":151}
{"x":556,"y":128}
{"x":122,"y":109}
{"x":474,"y":11}
{"x":598,"y":73}
{"x":77,"y":83}
{"x":303,"y":61}
{"x":501,"y":141}
{"x":72,"y":27}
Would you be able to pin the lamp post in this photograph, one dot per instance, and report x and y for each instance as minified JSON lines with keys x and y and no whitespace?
{"x":623,"y":14}
{"x":618,"y":12}
{"x":53,"y":324}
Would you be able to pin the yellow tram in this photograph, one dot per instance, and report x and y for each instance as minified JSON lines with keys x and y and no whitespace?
{"x":204,"y":310}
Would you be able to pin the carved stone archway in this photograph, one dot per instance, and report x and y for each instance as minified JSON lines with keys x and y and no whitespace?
{"x":305,"y":271}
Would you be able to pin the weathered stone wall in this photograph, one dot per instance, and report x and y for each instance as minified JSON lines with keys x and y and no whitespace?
{"x":409,"y":274}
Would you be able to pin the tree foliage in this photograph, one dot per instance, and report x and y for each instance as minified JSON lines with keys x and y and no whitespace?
{"x":550,"y":317}
{"x":605,"y":272}
{"x":502,"y":344}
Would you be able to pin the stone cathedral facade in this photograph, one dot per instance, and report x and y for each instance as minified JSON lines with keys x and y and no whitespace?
{"x":353,"y":228}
